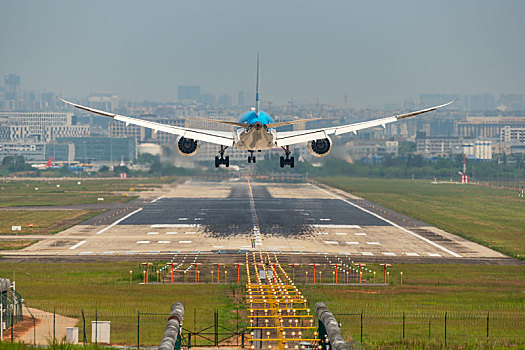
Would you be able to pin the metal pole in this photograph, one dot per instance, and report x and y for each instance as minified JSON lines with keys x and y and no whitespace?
{"x":1,"y":319}
{"x":361,"y":327}
{"x":138,"y":329}
{"x":403,"y":325}
{"x":216,"y":318}
{"x":429,"y":320}
{"x":445,"y":328}
{"x":487,"y":326}
{"x":83,"y":327}
{"x":96,"y":326}
{"x":54,"y":323}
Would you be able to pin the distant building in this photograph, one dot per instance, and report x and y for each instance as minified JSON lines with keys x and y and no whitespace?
{"x":437,"y":146}
{"x":512,"y":135}
{"x":39,"y":126}
{"x":188,"y":93}
{"x":94,"y":149}
{"x":241,"y":98}
{"x":371,"y":149}
{"x":487,"y":127}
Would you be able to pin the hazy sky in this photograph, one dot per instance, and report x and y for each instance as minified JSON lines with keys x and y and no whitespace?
{"x":376,"y":51}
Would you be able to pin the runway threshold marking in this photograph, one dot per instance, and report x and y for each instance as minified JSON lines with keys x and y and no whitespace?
{"x":391,"y":223}
{"x":118,"y":221}
{"x":77,"y":245}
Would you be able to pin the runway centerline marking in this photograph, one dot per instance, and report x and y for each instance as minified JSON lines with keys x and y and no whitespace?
{"x":360,"y":234}
{"x":143,"y":242}
{"x":156,"y":199}
{"x":392,"y":223}
{"x":152,"y":233}
{"x":77,"y":245}
{"x":352,"y":243}
{"x":118,"y":221}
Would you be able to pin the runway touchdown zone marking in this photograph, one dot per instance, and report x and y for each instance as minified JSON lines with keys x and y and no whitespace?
{"x":77,"y":245}
{"x":392,"y":223}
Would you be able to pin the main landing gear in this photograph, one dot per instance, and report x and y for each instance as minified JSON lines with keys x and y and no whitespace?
{"x":288,"y":160}
{"x":251,"y":157}
{"x":222,"y":160}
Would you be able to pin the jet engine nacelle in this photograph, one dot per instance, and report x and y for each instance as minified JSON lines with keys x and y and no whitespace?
{"x":320,"y":148}
{"x":188,"y":147}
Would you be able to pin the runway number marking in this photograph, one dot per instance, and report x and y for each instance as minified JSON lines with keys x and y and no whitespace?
{"x":118,"y":221}
{"x":392,"y":223}
{"x":77,"y":245}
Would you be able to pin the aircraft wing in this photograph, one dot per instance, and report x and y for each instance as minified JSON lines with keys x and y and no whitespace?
{"x":286,"y":138}
{"x":223,"y":138}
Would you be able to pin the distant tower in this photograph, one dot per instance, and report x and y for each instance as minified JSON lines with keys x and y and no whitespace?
{"x":13,"y":85}
{"x":241,"y":98}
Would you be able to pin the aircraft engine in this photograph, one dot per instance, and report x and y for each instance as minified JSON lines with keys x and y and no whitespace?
{"x":320,"y":148}
{"x":188,"y":147}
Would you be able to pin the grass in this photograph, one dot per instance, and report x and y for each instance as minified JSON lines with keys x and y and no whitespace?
{"x":492,"y":217}
{"x":43,"y":221}
{"x":25,"y":193}
{"x":15,"y":245}
{"x":69,"y":288}
{"x":466,"y":292}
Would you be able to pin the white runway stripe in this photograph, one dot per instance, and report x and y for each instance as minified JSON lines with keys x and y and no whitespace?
{"x":392,"y":223}
{"x":118,"y":221}
{"x":77,"y":245}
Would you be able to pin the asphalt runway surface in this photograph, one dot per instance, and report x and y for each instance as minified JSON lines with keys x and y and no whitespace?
{"x":231,"y":217}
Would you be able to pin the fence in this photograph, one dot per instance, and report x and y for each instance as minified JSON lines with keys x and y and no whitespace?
{"x":137,"y":329}
{"x":446,"y":327}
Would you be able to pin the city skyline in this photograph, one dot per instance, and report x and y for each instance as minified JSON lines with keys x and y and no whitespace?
{"x":375,"y":53}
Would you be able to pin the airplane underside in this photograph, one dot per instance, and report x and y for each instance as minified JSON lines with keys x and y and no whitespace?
{"x":255,"y":139}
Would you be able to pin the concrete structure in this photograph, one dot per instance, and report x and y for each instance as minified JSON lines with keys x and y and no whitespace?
{"x":39,"y":126}
{"x":72,"y":335}
{"x":101,"y":330}
{"x":487,"y":127}
{"x":438,"y":146}
{"x":479,"y":149}
{"x":512,"y":135}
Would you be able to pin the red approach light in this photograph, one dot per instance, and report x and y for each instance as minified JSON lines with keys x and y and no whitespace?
{"x":31,"y":225}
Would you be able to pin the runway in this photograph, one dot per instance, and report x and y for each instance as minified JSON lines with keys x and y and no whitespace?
{"x":244,"y":216}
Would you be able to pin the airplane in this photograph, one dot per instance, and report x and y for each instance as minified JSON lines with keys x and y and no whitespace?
{"x":47,"y":165}
{"x":256,"y":131}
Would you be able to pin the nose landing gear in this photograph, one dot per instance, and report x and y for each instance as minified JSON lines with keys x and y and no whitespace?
{"x":251,"y":157}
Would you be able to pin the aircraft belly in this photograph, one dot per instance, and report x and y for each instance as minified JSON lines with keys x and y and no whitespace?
{"x":254,"y":140}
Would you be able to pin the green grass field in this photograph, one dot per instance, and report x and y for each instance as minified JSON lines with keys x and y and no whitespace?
{"x":466,"y":292}
{"x":15,"y":244}
{"x":43,"y":221}
{"x":493,"y":217}
{"x":25,"y":193}
{"x":69,"y":288}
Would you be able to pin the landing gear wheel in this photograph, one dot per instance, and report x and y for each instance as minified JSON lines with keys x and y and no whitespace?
{"x":282,"y":162}
{"x":292,"y":162}
{"x":249,"y":159}
{"x":217,"y":162}
{"x":227,"y":161}
{"x":253,"y":159}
